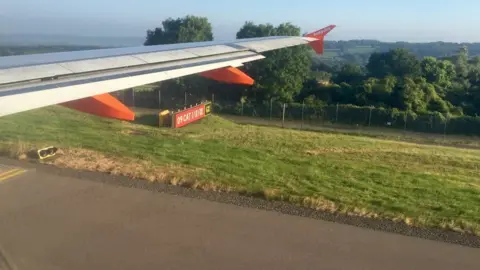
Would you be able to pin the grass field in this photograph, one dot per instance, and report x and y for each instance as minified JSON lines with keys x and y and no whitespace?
{"x":387,"y":133}
{"x":413,"y":183}
{"x":330,"y":54}
{"x":361,"y":50}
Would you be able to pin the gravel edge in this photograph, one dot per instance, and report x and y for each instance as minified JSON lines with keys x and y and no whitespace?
{"x":233,"y":198}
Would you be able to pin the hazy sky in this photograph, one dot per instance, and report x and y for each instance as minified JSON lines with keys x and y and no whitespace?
{"x":388,"y":20}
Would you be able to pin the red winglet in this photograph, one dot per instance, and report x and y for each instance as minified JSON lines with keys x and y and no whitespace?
{"x":322,"y":32}
{"x":104,"y":105}
{"x":317,"y":45}
{"x":228,"y":75}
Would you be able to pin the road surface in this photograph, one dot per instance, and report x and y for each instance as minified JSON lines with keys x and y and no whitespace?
{"x":52,"y":221}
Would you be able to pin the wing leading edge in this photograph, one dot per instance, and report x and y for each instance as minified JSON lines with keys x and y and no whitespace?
{"x":82,"y":80}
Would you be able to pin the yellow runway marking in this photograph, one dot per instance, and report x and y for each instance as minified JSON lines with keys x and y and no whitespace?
{"x":7,"y":172}
{"x":10,"y":173}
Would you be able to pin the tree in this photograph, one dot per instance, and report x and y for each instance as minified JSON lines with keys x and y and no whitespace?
{"x":379,"y":91}
{"x":475,"y":61}
{"x":180,"y":30}
{"x":440,"y":72}
{"x":322,"y":76}
{"x":282,"y":73}
{"x":187,"y":29}
{"x":474,"y":76}
{"x":350,"y":73}
{"x":396,"y":62}
{"x":251,"y":30}
{"x":461,"y":62}
{"x":409,"y":95}
{"x":319,"y":65}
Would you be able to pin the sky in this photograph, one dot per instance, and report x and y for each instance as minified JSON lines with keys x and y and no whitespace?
{"x":387,"y":20}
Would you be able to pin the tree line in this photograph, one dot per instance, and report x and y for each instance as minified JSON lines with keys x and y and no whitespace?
{"x":359,"y":51}
{"x":399,"y":79}
{"x":281,"y":75}
{"x":396,"y":78}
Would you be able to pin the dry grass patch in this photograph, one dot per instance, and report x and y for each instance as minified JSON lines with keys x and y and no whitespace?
{"x":83,"y":159}
{"x":17,"y":150}
{"x":172,"y":174}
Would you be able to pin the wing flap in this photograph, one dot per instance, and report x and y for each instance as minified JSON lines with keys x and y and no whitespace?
{"x":104,"y":105}
{"x":228,"y":75}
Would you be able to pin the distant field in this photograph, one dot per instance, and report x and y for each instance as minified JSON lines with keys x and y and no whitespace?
{"x":336,"y":55}
{"x":417,"y":184}
{"x":361,"y":50}
{"x":462,"y":141}
{"x":330,"y":54}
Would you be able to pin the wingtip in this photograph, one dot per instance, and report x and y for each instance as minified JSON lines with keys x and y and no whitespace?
{"x":322,"y":32}
{"x":317,"y":45}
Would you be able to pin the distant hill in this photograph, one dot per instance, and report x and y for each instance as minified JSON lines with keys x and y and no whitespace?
{"x":336,"y":52}
{"x":49,"y":40}
{"x":9,"y":50}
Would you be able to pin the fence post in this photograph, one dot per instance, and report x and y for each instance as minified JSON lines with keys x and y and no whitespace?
{"x":133,"y":97}
{"x":159,"y":99}
{"x":185,"y":100}
{"x":336,"y":115}
{"x":283,"y":116}
{"x":323,"y":116}
{"x":303,"y":108}
{"x":123,"y":96}
{"x":213,"y":102}
{"x":431,"y":123}
{"x":445,"y":128}
{"x":271,"y":108}
{"x":406,"y":117}
{"x":241,"y":101}
{"x":370,"y":117}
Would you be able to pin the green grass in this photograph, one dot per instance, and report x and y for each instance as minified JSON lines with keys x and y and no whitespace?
{"x":419,"y":184}
{"x":387,"y":133}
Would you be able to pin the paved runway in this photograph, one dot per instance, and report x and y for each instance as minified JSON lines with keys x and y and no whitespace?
{"x":57,"y":222}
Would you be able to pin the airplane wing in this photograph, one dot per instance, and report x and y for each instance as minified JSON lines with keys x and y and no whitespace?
{"x":82,"y":79}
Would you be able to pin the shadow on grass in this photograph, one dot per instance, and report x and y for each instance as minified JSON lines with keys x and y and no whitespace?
{"x":147,"y":119}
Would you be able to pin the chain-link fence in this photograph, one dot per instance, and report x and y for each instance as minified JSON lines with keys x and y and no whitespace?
{"x":155,"y":99}
{"x":302,"y":115}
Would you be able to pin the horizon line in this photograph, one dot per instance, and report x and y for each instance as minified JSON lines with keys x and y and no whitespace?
{"x":223,"y":39}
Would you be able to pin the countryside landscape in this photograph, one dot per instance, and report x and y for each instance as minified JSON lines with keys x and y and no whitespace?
{"x":381,"y":131}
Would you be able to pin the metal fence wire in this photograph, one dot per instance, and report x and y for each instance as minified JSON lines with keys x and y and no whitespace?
{"x":302,"y":114}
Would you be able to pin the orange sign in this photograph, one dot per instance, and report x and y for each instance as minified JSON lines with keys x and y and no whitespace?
{"x":189,"y":116}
